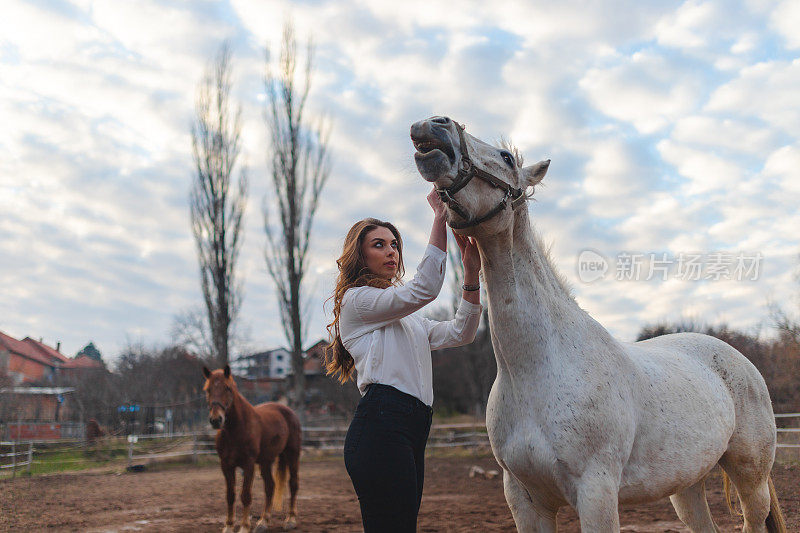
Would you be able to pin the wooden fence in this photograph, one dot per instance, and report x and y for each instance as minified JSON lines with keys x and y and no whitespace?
{"x":142,"y":449}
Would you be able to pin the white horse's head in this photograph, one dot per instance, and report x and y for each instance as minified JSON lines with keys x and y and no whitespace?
{"x":480,"y":183}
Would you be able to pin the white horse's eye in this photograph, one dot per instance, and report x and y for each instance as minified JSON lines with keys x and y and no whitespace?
{"x":508,"y":158}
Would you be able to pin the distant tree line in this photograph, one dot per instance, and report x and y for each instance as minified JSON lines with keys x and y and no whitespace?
{"x":145,"y":383}
{"x":778,"y":359}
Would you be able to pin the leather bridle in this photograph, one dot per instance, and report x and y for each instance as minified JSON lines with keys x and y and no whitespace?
{"x":466,"y":171}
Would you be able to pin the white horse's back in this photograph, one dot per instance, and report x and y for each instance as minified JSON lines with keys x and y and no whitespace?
{"x":744,"y":383}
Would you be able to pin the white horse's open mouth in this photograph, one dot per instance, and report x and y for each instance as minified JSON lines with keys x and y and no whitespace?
{"x":435,"y":156}
{"x":427,"y":148}
{"x":433,"y":147}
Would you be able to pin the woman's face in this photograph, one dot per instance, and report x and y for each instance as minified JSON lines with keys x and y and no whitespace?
{"x":380,"y":252}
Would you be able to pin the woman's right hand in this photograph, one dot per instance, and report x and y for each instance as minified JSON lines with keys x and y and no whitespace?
{"x":439,"y":209}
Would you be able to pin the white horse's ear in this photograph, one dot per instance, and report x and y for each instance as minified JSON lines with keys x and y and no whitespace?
{"x":533,"y":174}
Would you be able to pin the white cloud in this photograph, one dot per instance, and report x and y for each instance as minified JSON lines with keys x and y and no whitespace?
{"x":686,"y":26}
{"x":786,"y":19}
{"x":740,"y":137}
{"x":784,"y":166}
{"x":705,"y":171}
{"x":646,"y":89}
{"x":767,"y":91}
{"x":614,"y":180}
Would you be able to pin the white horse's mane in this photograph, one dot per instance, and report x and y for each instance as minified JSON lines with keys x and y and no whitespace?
{"x":560,"y":279}
{"x":547,"y":256}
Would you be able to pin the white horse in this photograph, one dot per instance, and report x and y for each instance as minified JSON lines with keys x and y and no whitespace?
{"x":576,"y":417}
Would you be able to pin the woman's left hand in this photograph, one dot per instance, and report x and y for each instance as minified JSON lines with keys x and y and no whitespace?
{"x":470,"y":257}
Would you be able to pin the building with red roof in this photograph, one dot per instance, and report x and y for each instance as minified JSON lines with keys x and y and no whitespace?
{"x":73,"y":367}
{"x":314,"y":363}
{"x":53,"y":353}
{"x":23,"y":362}
{"x":29,"y":361}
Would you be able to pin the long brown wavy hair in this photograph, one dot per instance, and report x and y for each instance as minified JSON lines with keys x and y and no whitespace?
{"x":353,"y":272}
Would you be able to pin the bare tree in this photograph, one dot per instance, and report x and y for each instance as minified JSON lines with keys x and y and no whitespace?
{"x":300,"y":166}
{"x":190,"y":330}
{"x":217,"y":202}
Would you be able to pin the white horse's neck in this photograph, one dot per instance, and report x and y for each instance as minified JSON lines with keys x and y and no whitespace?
{"x":532,"y":313}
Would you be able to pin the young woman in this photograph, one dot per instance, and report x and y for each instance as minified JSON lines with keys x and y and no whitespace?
{"x":377,"y":334}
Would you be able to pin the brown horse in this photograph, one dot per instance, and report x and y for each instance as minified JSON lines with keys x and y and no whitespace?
{"x":93,"y":431}
{"x":248,"y":435}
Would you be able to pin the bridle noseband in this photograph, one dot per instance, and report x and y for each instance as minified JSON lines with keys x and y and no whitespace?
{"x":466,"y":171}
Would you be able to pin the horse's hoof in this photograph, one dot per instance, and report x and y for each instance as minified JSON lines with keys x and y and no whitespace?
{"x":261,"y":526}
{"x":244,"y":529}
{"x":227,"y":529}
{"x":290,"y":523}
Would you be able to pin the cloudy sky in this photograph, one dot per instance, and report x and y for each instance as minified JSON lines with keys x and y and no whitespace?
{"x":673,"y":129}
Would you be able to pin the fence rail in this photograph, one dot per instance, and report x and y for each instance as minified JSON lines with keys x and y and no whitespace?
{"x":788,"y":431}
{"x":17,"y":450}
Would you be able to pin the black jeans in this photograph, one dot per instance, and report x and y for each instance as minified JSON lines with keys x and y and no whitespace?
{"x":384,"y":453}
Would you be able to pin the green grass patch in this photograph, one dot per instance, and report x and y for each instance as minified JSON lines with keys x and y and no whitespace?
{"x":109,"y":453}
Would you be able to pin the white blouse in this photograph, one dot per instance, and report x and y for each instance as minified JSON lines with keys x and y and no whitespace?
{"x":390,"y":343}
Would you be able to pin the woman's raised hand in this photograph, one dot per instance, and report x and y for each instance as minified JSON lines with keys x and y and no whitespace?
{"x":470,"y":257}
{"x":436,"y":204}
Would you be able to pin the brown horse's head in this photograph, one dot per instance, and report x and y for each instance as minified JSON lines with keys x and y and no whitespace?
{"x":220,"y":391}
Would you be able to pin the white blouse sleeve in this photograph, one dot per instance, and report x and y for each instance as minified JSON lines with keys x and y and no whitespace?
{"x":376,"y":307}
{"x":456,"y":332}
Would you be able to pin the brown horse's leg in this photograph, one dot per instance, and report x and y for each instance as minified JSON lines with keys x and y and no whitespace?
{"x":293,"y":458}
{"x":230,"y":485}
{"x":269,"y":488}
{"x":247,"y":496}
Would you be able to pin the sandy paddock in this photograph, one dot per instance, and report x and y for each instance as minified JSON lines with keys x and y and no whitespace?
{"x":191,"y":499}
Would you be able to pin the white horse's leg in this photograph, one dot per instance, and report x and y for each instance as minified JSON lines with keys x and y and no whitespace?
{"x":748,"y":463}
{"x":597,"y":504}
{"x":755,"y":507}
{"x":527,"y":518}
{"x":692,"y":508}
{"x":753,"y":492}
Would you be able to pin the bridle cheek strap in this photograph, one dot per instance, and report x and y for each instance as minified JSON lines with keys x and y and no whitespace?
{"x":466,"y":171}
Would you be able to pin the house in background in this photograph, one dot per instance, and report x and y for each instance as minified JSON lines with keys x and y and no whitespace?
{"x":31,"y":362}
{"x":54,"y":354}
{"x":277,"y":363}
{"x":26,"y":362}
{"x":273,"y":364}
{"x":314,"y":364}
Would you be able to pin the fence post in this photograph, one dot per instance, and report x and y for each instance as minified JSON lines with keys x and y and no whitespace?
{"x":13,"y":459}
{"x":194,"y":448}
{"x":130,"y":451}
{"x":30,"y":456}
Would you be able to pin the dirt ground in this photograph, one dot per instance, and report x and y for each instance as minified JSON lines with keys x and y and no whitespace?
{"x":191,"y":499}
